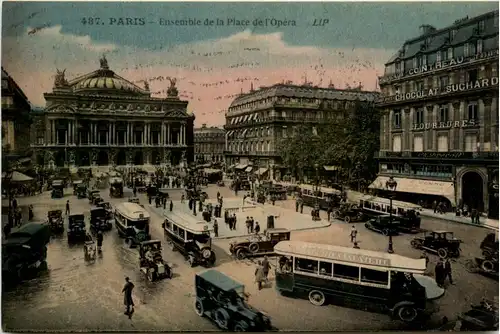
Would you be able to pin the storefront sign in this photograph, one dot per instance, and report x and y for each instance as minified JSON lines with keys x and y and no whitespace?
{"x":438,"y":66}
{"x":356,"y":258}
{"x":450,"y":124}
{"x":444,"y":155}
{"x":460,"y":87}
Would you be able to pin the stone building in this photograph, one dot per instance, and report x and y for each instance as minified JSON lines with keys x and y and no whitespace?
{"x":439,"y":129}
{"x":258,"y":121}
{"x":209,"y":144}
{"x":16,"y":121}
{"x":102,"y":119}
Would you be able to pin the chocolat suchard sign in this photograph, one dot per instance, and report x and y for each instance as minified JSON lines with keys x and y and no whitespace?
{"x":459,"y":87}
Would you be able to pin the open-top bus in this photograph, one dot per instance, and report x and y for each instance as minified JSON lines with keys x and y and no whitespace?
{"x":189,"y":235}
{"x":324,"y":196}
{"x":355,"y":277}
{"x":407,"y":214}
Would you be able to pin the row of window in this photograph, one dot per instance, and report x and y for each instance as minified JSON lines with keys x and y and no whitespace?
{"x":337,"y":270}
{"x":209,"y":148}
{"x":250,"y":147}
{"x":333,"y":104}
{"x":443,"y":145}
{"x":441,"y":171}
{"x":443,"y":114}
{"x":179,"y":231}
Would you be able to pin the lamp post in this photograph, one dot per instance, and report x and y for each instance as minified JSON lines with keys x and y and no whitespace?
{"x":391,"y":184}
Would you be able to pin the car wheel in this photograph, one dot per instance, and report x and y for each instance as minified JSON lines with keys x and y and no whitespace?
{"x":198,"y":307}
{"x":254,"y":247}
{"x":487,"y":254}
{"x":385,"y":231}
{"x":241,"y":254}
{"x":221,"y":318}
{"x":190,"y":260}
{"x":347,"y":219}
{"x":488,"y":266}
{"x":151,"y":277}
{"x":317,"y":298}
{"x":241,"y":326}
{"x":407,"y":313}
{"x":442,"y":253}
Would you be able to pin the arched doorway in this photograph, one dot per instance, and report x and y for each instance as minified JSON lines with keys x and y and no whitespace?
{"x":59,"y":159}
{"x":472,"y":190}
{"x":83,"y":159}
{"x":138,"y":158}
{"x":155,"y":157}
{"x":121,"y":158}
{"x":102,"y":158}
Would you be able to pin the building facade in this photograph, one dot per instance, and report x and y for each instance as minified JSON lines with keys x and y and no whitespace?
{"x":209,"y":144}
{"x":16,"y":120}
{"x":102,"y":119}
{"x":258,"y":121}
{"x":439,"y":129}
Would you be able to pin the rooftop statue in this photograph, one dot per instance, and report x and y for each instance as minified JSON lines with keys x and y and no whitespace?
{"x":60,"y":80}
{"x":172,"y":90}
{"x":146,"y":85}
{"x":104,"y":62}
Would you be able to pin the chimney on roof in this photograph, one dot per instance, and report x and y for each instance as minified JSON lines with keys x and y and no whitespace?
{"x":251,"y":87}
{"x":426,"y":29}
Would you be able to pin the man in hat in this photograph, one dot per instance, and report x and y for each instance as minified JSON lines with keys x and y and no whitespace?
{"x":127,"y":297}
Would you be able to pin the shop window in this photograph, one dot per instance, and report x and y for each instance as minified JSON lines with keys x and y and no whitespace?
{"x":418,"y":144}
{"x":346,"y":272}
{"x":306,"y":265}
{"x":472,"y":111}
{"x":325,"y":268}
{"x":397,"y":119}
{"x":444,"y":81}
{"x":396,"y":143}
{"x":438,"y":56}
{"x":466,"y":50}
{"x":374,"y":276}
{"x":419,"y":115}
{"x":479,"y":44}
{"x":480,"y":26}
{"x":470,"y":142}
{"x":443,"y":143}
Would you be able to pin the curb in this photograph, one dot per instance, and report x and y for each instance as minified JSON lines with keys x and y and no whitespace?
{"x":460,"y":222}
{"x":291,"y":230}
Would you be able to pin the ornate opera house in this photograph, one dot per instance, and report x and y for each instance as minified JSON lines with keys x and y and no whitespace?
{"x":102,"y":119}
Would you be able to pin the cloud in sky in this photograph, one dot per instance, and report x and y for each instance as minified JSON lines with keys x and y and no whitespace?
{"x":211,"y":72}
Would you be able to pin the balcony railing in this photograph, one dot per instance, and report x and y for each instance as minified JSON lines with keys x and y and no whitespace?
{"x":107,"y":145}
{"x":274,"y":119}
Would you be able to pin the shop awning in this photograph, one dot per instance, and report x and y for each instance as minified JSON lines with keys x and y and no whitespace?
{"x":240,"y":166}
{"x":18,"y":177}
{"x":255,"y":117}
{"x":331,"y":168}
{"x":212,"y":171}
{"x":230,"y":133}
{"x":248,"y":169}
{"x":244,"y":132}
{"x":245,"y":118}
{"x":416,"y":186}
{"x":261,"y":171}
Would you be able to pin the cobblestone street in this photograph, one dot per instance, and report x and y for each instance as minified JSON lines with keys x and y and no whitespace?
{"x":75,"y":295}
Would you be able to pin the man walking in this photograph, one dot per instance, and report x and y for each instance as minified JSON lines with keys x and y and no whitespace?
{"x":447,"y":271}
{"x":266,"y":267}
{"x":257,"y":228}
{"x":67,"y":208}
{"x":439,"y":273}
{"x":354,"y":234}
{"x":127,"y":297}
{"x":259,"y":275}
{"x":216,"y":228}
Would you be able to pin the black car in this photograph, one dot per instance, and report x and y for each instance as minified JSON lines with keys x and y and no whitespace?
{"x":384,"y":225}
{"x":489,"y":247}
{"x":57,"y":189}
{"x":151,"y":261}
{"x":24,"y":251}
{"x":349,"y":213}
{"x":443,"y":243}
{"x":99,"y":219}
{"x":223,"y":300}
{"x":55,"y":221}
{"x":76,"y":228}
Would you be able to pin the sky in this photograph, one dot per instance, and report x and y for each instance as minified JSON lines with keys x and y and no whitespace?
{"x":223,"y":50}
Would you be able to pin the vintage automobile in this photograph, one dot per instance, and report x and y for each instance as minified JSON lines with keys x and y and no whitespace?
{"x":223,"y":300}
{"x":106,"y":206}
{"x":384,"y":224}
{"x":57,"y":189}
{"x":76,"y":183}
{"x":24,"y":252}
{"x":76,"y":228}
{"x":92,"y":194}
{"x":349,"y":213}
{"x":116,"y":187}
{"x":98,"y":200}
{"x":81,"y":191}
{"x":489,"y":246}
{"x":443,"y":243}
{"x":99,"y":219}
{"x":480,"y":318}
{"x":136,"y":201}
{"x":259,"y":245}
{"x":55,"y":221}
{"x":151,"y":261}
{"x":132,"y":223}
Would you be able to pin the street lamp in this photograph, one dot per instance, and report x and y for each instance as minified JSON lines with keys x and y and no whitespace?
{"x":391,"y":184}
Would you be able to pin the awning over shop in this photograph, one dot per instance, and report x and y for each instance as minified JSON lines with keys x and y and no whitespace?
{"x":416,"y":186}
{"x":255,"y":117}
{"x":230,"y":133}
{"x":240,"y":166}
{"x":248,"y":169}
{"x":18,"y":177}
{"x":331,"y":168}
{"x":261,"y":171}
{"x":244,"y":132}
{"x":212,"y":171}
{"x":245,"y":118}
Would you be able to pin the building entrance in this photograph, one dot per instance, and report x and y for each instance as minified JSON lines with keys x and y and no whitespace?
{"x":472,"y":191}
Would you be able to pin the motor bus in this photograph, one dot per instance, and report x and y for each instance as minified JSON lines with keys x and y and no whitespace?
{"x":357,"y":278}
{"x":132,"y":223}
{"x":325,"y":197}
